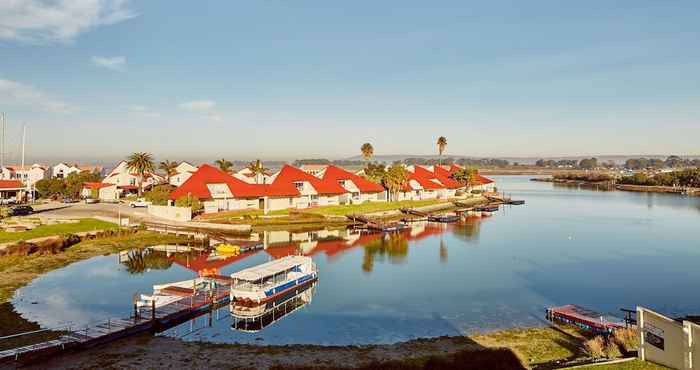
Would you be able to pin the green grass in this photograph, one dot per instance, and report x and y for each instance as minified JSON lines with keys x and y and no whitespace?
{"x":370,"y":207}
{"x":88,"y":224}
{"x":630,"y":365}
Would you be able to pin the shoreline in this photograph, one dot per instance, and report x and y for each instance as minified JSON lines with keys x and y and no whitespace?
{"x":621,"y":187}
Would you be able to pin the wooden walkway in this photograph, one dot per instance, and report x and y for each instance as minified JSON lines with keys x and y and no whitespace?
{"x":143,"y":319}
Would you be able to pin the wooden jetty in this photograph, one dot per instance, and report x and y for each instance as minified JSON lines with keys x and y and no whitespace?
{"x":445,"y":218}
{"x":144,"y":319}
{"x":584,"y":318}
{"x":377,"y":225}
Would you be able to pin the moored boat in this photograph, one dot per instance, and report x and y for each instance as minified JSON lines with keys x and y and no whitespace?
{"x":270,"y":280}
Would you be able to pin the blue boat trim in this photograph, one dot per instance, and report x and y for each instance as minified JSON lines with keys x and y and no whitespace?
{"x":285,"y":286}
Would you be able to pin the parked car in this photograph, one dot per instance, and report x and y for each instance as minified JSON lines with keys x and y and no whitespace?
{"x":139,"y":203}
{"x":8,"y":201}
{"x":91,"y":200}
{"x":70,"y":200}
{"x":21,"y":211}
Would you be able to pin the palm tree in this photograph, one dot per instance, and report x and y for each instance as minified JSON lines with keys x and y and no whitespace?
{"x":367,"y":152}
{"x":224,"y":165}
{"x":169,"y":168}
{"x":441,"y":144}
{"x":141,"y":163}
{"x":395,"y":179}
{"x":256,"y":168}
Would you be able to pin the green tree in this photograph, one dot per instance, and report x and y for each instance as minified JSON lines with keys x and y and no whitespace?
{"x":48,"y":188}
{"x":141,"y":163}
{"x":367,"y":151}
{"x":466,"y":176}
{"x":224,"y":165}
{"x":375,"y":172}
{"x":74,"y":182}
{"x":168,"y":167}
{"x":192,"y":202}
{"x":159,"y":194}
{"x":395,"y":179}
{"x":441,"y":144}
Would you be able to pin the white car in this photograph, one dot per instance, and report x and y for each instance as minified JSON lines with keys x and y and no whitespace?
{"x":139,"y":203}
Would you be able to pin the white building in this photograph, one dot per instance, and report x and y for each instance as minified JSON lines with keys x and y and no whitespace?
{"x":183,"y":171}
{"x":29,"y":175}
{"x":62,"y":170}
{"x":252,"y":178}
{"x":127,"y":180}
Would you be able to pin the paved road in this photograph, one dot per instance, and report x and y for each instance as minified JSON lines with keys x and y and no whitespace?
{"x":82,"y":210}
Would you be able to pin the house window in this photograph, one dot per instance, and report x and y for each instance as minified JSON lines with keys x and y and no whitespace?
{"x":341,"y":182}
{"x":314,"y":198}
{"x":132,"y":181}
{"x":299,"y":185}
{"x":291,"y":202}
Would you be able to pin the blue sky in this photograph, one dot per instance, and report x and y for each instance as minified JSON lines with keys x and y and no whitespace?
{"x":98,"y":79}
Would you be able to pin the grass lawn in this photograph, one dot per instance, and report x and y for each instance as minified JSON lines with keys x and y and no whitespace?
{"x":367,"y":207}
{"x":537,"y":345}
{"x":88,"y":224}
{"x":630,"y":365}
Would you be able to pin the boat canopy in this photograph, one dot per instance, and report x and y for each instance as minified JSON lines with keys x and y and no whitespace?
{"x":270,"y":268}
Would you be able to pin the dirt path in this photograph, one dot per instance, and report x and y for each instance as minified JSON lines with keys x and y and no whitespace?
{"x":148,"y":352}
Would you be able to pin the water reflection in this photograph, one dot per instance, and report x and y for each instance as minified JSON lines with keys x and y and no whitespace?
{"x":138,"y":261}
{"x":252,"y":319}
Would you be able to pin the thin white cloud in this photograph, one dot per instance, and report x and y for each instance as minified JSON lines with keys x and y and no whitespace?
{"x":198,"y":105}
{"x":52,"y":21}
{"x":19,"y":94}
{"x":113,"y":63}
{"x":213,"y":117}
{"x":143,"y":110}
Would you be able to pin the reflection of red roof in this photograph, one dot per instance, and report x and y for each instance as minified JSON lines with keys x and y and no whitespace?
{"x":96,"y":185}
{"x":11,"y":184}
{"x":196,"y":185}
{"x":288,"y":175}
{"x":202,"y":261}
{"x":333,"y":173}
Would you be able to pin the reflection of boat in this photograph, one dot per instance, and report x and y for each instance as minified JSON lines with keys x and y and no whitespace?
{"x":255,"y":318}
{"x":444,"y":218}
{"x":226,"y":248}
{"x":270,"y":280}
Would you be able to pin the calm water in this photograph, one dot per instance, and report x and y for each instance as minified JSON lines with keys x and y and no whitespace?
{"x":604,"y":250}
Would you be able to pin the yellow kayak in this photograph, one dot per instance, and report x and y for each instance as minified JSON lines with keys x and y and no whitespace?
{"x":228,"y":249}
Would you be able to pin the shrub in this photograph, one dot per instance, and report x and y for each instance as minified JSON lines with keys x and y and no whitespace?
{"x":595,"y":347}
{"x":627,"y":339}
{"x":193,"y":202}
{"x":612,"y":350}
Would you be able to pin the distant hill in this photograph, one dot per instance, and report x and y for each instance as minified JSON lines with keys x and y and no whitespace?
{"x":620,"y":159}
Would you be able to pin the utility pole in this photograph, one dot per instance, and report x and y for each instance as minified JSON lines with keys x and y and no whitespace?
{"x":2,"y":143}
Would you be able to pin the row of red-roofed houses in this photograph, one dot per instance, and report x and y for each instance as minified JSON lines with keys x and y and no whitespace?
{"x":293,"y":188}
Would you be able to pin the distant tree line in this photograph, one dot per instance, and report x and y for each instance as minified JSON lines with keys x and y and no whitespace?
{"x":687,"y":178}
{"x":673,"y":161}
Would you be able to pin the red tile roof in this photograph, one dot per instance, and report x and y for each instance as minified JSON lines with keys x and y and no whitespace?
{"x":11,"y":184}
{"x":482,"y":179}
{"x":333,"y":173}
{"x":96,"y":185}
{"x":424,"y":178}
{"x":288,"y":175}
{"x":196,"y":186}
{"x":444,"y":180}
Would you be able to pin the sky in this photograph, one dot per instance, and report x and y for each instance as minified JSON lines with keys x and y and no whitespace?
{"x":96,"y":80}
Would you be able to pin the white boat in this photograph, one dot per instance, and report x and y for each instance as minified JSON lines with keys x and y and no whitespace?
{"x":161,"y":300}
{"x":270,"y":280}
{"x":194,"y":284}
{"x":253,"y":319}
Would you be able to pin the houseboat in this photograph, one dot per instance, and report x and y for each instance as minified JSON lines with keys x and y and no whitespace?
{"x":271,"y":280}
{"x":252,"y":319}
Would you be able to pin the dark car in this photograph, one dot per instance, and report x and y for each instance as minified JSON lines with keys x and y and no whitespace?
{"x":21,"y":211}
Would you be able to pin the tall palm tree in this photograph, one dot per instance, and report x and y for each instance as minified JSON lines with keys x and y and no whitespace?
{"x":395,"y":179}
{"x":441,"y":144}
{"x":367,"y":152}
{"x":169,"y":168}
{"x":142,"y":164}
{"x":224,"y":165}
{"x":256,"y":168}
